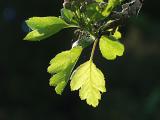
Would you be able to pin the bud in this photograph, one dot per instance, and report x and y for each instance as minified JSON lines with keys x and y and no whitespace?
{"x":66,"y":4}
{"x":82,"y":8}
{"x":66,"y":1}
{"x":84,"y":40}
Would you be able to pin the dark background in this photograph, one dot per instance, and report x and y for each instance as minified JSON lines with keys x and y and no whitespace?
{"x":133,"y":80}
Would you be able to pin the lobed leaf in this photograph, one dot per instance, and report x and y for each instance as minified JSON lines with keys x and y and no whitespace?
{"x":90,"y":82}
{"x":110,"y":47}
{"x":61,"y":67}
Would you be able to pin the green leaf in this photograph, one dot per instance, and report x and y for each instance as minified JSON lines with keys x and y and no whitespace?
{"x":93,"y":12}
{"x":99,"y":0}
{"x":110,"y":47}
{"x":117,"y":34}
{"x":44,"y":27}
{"x":110,"y":6}
{"x":61,"y":67}
{"x":68,"y":16}
{"x":90,"y":82}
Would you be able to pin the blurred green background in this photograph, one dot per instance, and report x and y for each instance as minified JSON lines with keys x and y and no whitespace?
{"x":133,"y":81}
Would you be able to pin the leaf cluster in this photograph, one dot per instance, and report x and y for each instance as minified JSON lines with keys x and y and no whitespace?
{"x":89,"y":17}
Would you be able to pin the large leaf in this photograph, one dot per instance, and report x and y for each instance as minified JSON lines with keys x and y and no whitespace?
{"x":110,"y":47}
{"x":61,"y":67}
{"x":44,"y":27}
{"x":90,"y":82}
{"x":110,"y":6}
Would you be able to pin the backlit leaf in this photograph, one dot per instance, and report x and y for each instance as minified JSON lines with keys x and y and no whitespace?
{"x":61,"y":67}
{"x":99,"y":0}
{"x":110,"y":47}
{"x":117,"y":35}
{"x":90,"y":81}
{"x":44,"y":27}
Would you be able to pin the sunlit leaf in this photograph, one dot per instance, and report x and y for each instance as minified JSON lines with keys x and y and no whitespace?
{"x":117,"y":34}
{"x":44,"y":27}
{"x":61,"y":67}
{"x":110,"y":47}
{"x":90,"y":82}
{"x":99,"y":0}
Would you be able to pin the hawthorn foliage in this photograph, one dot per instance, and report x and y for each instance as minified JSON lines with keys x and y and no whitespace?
{"x":96,"y":22}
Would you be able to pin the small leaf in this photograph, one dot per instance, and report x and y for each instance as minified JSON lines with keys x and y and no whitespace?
{"x":68,"y":16}
{"x":99,"y":0}
{"x":90,"y":82}
{"x":110,"y":48}
{"x":117,"y":35}
{"x":110,"y":6}
{"x":44,"y":27}
{"x":61,"y":67}
{"x":93,"y":12}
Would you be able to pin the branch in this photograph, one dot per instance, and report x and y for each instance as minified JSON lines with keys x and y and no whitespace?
{"x":119,"y":18}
